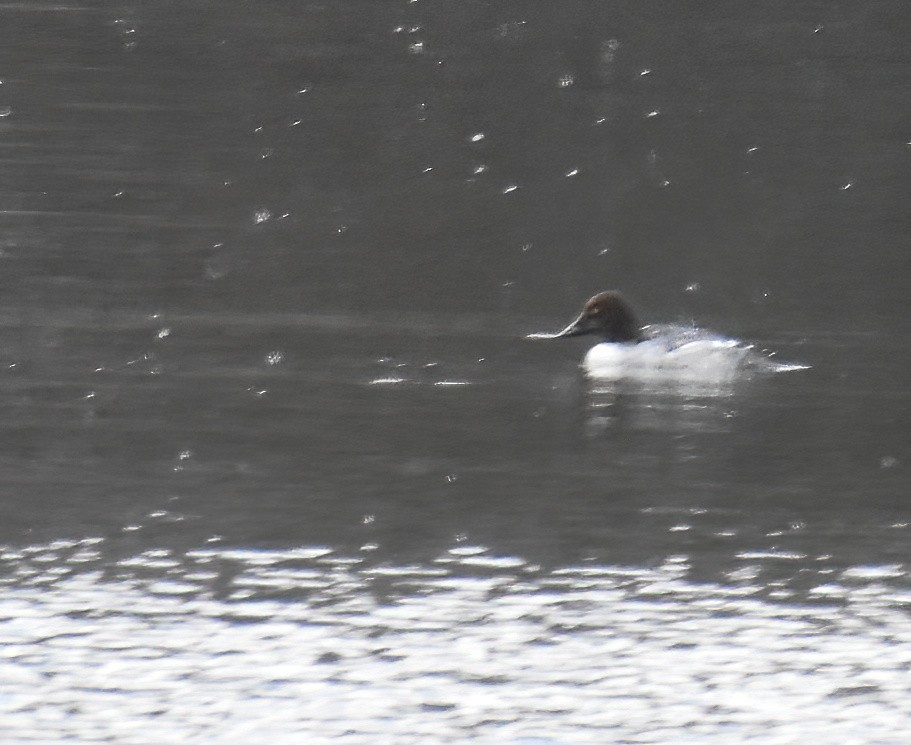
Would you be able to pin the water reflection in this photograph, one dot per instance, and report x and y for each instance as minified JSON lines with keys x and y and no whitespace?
{"x":311,"y":642}
{"x":673,"y":407}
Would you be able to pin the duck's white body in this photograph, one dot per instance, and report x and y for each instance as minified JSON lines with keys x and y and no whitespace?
{"x":652,"y":360}
{"x":660,"y":353}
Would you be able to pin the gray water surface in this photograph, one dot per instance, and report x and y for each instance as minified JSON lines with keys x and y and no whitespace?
{"x":277,"y":462}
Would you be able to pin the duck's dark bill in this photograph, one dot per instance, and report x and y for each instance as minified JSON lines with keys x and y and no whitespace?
{"x":576,"y":328}
{"x":582,"y":325}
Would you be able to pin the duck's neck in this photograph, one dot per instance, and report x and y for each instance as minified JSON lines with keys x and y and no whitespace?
{"x":624,"y":329}
{"x":623,"y":338}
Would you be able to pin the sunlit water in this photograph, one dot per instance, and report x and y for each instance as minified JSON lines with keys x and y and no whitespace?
{"x":308,"y":645}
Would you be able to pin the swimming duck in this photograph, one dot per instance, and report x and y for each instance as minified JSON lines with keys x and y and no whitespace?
{"x":657,"y":352}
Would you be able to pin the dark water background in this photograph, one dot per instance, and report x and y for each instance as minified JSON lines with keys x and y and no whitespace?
{"x":275,"y":460}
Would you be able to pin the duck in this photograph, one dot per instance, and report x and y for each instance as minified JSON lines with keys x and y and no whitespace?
{"x":658,"y":352}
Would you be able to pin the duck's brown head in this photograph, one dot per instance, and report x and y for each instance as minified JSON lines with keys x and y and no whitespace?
{"x":608,"y":316}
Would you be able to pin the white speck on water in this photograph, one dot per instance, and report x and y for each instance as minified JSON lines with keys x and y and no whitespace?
{"x":388,"y":380}
{"x":493,"y":562}
{"x":565,"y":81}
{"x":466,"y":550}
{"x":571,"y":173}
{"x":261,"y":215}
{"x":275,"y":357}
{"x":476,"y":137}
{"x":772,"y":554}
{"x":874,"y":571}
{"x":509,"y":189}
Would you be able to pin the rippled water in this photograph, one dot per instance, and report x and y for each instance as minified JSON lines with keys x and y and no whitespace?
{"x":277,"y":462}
{"x":223,"y":644}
